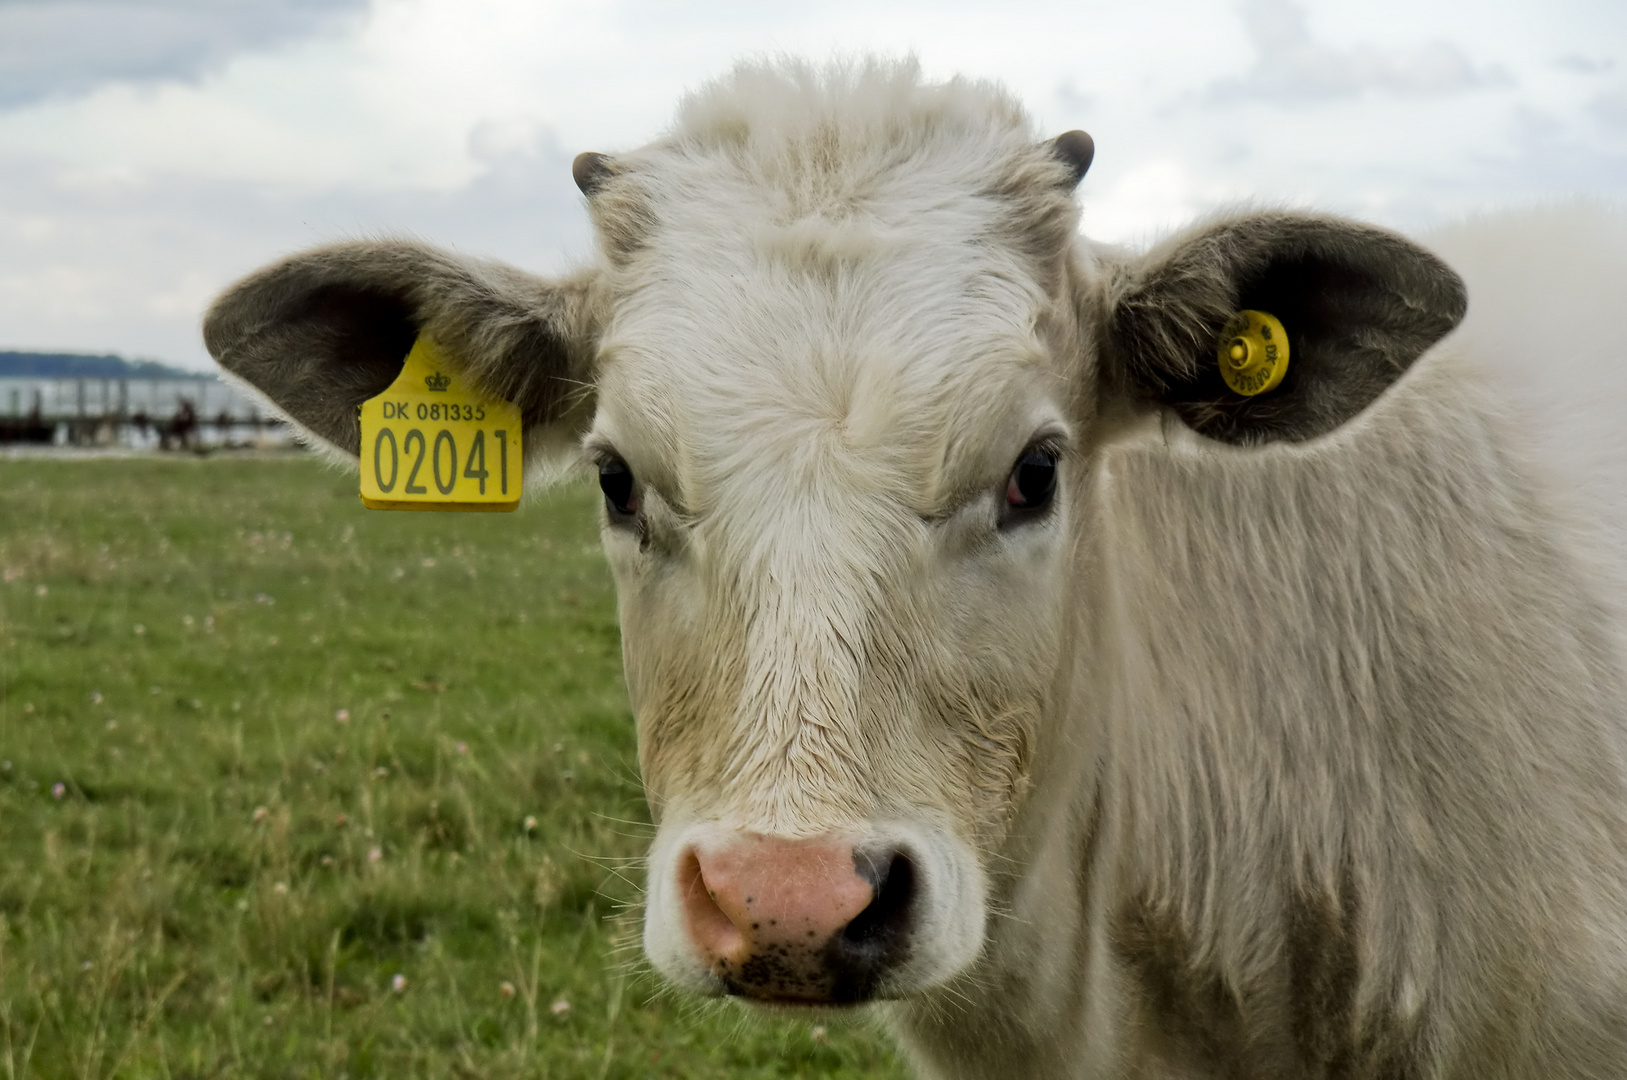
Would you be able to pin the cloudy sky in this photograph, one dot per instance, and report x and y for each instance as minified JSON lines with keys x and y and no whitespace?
{"x":153,"y":150}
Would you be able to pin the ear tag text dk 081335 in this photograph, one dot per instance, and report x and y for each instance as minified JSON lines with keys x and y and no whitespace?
{"x":1253,"y":352}
{"x":433,"y":442}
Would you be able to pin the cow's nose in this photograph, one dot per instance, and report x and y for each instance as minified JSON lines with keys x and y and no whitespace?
{"x":798,"y":920}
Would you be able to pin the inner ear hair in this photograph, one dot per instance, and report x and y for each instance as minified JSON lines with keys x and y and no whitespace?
{"x":1359,"y":304}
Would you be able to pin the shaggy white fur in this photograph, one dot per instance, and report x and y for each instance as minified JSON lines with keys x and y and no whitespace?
{"x":1284,"y":740}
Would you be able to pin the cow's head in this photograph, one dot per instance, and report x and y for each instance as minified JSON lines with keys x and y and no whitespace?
{"x":842,"y":367}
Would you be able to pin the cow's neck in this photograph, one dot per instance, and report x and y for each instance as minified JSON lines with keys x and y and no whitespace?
{"x":1304,"y":653}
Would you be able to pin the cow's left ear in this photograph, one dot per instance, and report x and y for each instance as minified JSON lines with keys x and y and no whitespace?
{"x":1359,"y":305}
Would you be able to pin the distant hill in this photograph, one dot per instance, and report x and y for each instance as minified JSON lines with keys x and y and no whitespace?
{"x":80,"y":366}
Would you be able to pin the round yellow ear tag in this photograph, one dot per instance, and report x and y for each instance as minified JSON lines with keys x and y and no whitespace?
{"x":1253,"y":352}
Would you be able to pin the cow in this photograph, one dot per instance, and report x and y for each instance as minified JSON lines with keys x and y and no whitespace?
{"x":995,"y":664}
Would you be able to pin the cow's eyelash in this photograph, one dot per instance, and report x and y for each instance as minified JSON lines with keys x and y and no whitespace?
{"x":1054,"y":443}
{"x":600,"y":454}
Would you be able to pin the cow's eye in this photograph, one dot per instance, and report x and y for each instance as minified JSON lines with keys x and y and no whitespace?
{"x":616,"y":481}
{"x":1032,"y":481}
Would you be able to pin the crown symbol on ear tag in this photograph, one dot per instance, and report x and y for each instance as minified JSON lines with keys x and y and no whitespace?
{"x":1253,"y":352}
{"x":428,"y":446}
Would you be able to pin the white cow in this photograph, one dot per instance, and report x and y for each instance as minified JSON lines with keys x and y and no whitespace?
{"x":993,"y":661}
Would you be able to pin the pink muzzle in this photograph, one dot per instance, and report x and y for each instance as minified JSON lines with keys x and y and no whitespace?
{"x":798,"y":921}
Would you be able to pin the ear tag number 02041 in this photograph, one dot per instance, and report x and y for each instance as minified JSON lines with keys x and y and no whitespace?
{"x":433,"y":442}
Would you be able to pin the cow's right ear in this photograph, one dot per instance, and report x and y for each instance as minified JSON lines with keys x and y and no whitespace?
{"x":323,"y":331}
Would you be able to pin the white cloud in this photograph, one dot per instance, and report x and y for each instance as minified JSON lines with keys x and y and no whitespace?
{"x":1291,"y":67}
{"x":1583,"y":64}
{"x":1610,"y":107}
{"x":126,"y":201}
{"x":1151,"y":198}
{"x":60,"y":48}
{"x":101,"y":263}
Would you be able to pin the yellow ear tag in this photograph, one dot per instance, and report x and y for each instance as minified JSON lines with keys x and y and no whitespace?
{"x":433,"y":442}
{"x":1253,"y":352}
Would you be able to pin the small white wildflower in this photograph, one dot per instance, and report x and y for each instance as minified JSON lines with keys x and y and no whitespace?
{"x":560,"y":1007}
{"x":343,"y":716}
{"x":398,"y":982}
{"x":58,"y":790}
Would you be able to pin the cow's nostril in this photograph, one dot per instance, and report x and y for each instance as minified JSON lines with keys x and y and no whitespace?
{"x":894,"y":883}
{"x":878,"y":937}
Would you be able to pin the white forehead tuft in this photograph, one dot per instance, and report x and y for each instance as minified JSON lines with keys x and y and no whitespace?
{"x":822,"y":263}
{"x":795,"y":124}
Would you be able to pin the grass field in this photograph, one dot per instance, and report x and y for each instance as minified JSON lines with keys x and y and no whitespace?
{"x":293,"y":789}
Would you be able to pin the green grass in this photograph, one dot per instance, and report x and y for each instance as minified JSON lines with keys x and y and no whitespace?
{"x":205,"y":872}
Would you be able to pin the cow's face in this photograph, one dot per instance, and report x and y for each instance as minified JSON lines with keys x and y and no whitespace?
{"x":836,"y":432}
{"x":836,"y":461}
{"x":838,"y":373}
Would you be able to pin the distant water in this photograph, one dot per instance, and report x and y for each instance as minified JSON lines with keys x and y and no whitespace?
{"x":80,"y":366}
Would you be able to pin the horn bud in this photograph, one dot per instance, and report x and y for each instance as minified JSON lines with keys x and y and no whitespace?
{"x":1076,"y":149}
{"x":590,"y":170}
